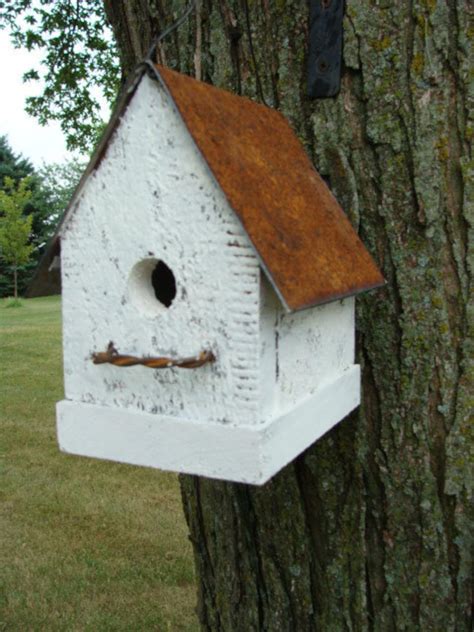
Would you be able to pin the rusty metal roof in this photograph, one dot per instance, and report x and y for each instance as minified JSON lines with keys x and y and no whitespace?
{"x":306,"y":244}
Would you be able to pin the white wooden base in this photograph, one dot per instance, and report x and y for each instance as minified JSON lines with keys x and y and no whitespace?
{"x":246,"y":454}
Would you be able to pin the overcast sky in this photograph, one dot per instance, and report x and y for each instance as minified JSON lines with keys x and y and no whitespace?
{"x":25,"y":135}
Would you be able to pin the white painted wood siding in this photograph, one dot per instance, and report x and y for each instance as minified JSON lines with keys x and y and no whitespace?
{"x":153,"y":196}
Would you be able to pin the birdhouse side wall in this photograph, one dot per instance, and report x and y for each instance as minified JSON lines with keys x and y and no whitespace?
{"x":151,"y":199}
{"x":303,"y":351}
{"x":315,"y":347}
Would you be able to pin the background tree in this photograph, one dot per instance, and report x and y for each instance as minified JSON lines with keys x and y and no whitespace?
{"x":370,"y":528}
{"x":17,"y":168}
{"x":15,"y":228}
{"x":58,"y":181}
{"x":51,"y":187}
{"x":12,"y":165}
{"x":80,"y":64}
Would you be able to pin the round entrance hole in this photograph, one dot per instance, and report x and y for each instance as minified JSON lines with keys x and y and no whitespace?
{"x":151,"y":286}
{"x":164,"y":284}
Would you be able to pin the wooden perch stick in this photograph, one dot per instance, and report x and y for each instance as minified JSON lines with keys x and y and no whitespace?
{"x":112,"y":356}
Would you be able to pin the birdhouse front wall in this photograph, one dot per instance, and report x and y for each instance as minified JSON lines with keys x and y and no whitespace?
{"x":153,"y":199}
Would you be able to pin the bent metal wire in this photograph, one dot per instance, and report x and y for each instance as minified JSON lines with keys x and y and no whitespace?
{"x":112,"y":356}
{"x":172,"y":27}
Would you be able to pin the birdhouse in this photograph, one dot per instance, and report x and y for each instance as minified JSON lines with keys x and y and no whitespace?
{"x":208,"y":282}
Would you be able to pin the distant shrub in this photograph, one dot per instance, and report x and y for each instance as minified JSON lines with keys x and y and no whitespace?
{"x":13,"y":302}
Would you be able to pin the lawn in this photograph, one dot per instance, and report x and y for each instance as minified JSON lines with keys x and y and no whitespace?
{"x":85,"y":544}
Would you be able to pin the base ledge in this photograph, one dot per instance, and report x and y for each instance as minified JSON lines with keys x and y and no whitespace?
{"x":244,"y":454}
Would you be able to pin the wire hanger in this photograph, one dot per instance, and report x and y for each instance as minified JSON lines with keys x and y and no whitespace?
{"x":150,"y":56}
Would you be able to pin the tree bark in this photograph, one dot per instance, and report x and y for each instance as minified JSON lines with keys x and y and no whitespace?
{"x":369,"y":529}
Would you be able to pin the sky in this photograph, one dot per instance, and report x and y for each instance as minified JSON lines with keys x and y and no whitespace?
{"x":25,"y":135}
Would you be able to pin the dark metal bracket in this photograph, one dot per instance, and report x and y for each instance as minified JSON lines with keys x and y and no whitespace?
{"x":325,"y":48}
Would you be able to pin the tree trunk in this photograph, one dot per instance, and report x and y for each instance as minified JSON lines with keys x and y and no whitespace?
{"x":369,"y":529}
{"x":15,"y":281}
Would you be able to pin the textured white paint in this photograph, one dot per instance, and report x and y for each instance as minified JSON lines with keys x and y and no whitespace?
{"x":152,"y":197}
{"x":242,"y":453}
{"x":314,"y":347}
{"x":270,"y":307}
{"x":301,"y":351}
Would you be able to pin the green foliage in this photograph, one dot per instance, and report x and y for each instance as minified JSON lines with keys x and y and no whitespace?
{"x":58,"y":182}
{"x":12,"y":165}
{"x":51,"y":188}
{"x":80,"y":63}
{"x":15,"y":228}
{"x":13,"y":302}
{"x":17,"y":167}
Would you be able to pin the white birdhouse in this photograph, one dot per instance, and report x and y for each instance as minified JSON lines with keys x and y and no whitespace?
{"x":208,"y":277}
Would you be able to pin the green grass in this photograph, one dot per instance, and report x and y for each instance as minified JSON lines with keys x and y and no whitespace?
{"x":13,"y":302}
{"x":85,"y":544}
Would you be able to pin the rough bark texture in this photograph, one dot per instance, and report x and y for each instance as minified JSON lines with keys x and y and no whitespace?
{"x":369,"y":529}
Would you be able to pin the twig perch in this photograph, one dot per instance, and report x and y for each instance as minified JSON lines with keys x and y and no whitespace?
{"x":112,"y":356}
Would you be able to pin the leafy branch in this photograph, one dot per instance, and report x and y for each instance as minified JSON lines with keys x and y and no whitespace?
{"x":15,"y":228}
{"x":80,"y":64}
